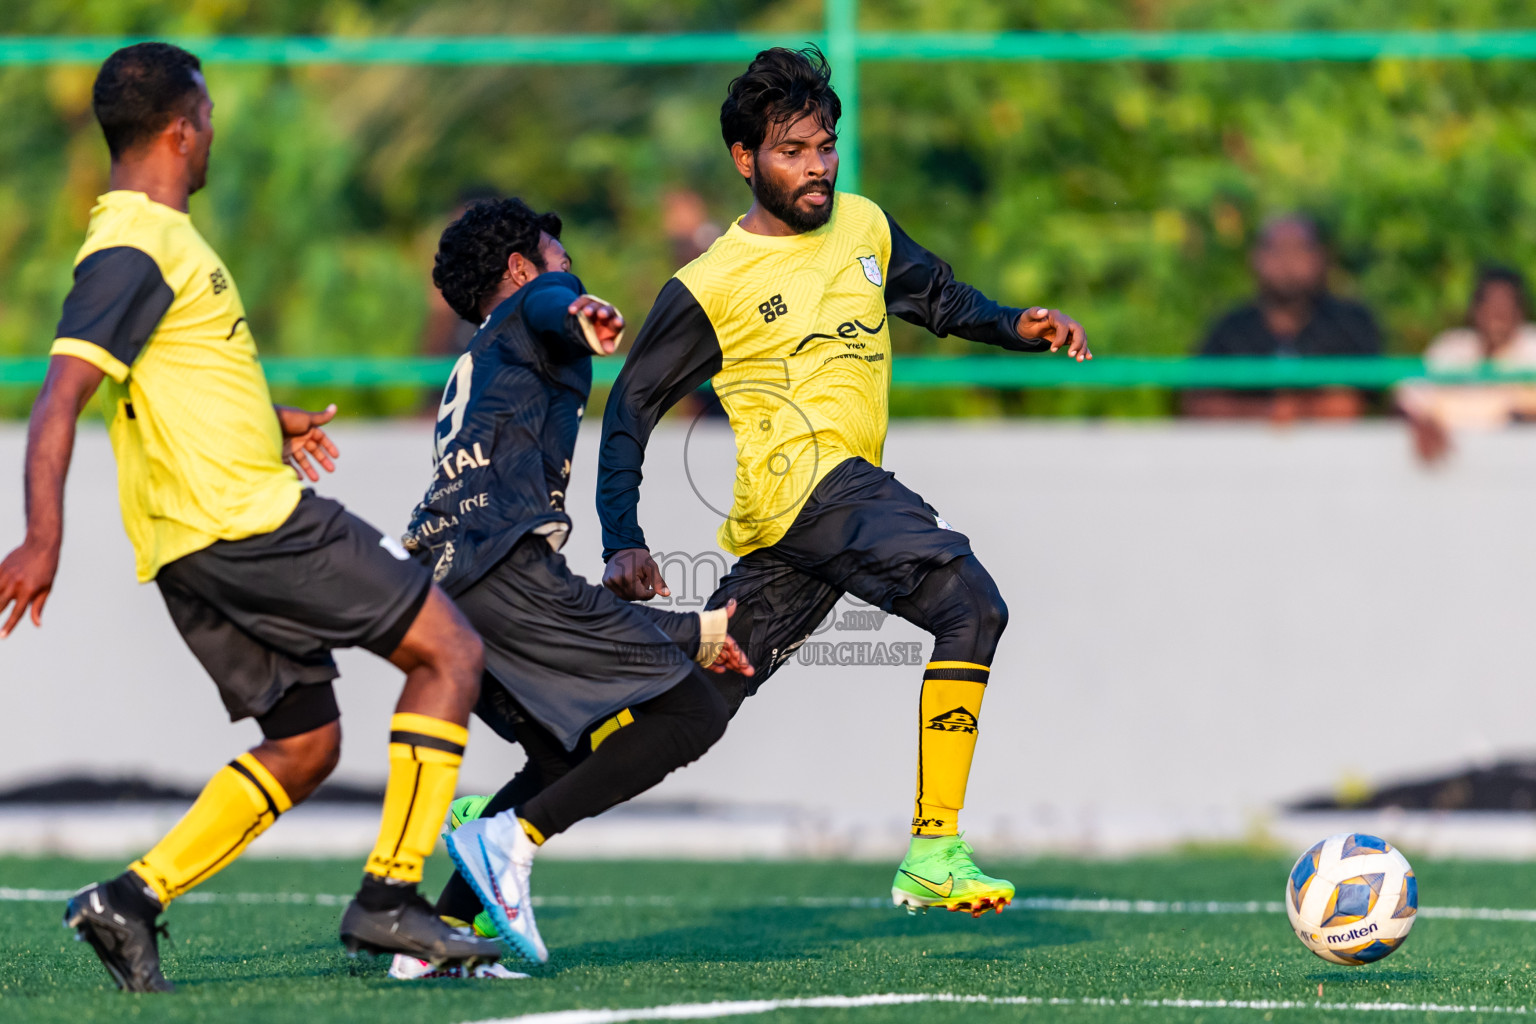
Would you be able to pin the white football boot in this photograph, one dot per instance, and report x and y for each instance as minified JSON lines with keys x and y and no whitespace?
{"x":408,"y":968}
{"x":495,"y":856}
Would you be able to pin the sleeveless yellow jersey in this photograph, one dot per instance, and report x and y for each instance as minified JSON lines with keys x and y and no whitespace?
{"x":793,"y":333}
{"x":199,"y":450}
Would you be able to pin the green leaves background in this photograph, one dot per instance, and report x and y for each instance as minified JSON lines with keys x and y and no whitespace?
{"x":1126,"y":193}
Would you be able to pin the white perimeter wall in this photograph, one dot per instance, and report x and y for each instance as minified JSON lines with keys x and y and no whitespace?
{"x":1207,"y":620}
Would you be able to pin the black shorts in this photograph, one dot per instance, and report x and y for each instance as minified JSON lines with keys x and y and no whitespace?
{"x":570,"y":652}
{"x":263,"y":614}
{"x":861,"y":532}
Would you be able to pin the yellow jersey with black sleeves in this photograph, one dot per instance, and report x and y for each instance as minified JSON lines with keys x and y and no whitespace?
{"x":793,"y":332}
{"x":198,"y":446}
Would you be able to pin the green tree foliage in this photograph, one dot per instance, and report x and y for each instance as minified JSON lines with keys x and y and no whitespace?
{"x":1125,"y":192}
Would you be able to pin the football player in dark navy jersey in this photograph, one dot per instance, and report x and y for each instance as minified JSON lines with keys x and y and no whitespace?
{"x":787,"y":315}
{"x":607,"y":697}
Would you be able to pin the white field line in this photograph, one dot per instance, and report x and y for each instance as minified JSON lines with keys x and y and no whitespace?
{"x":1037,"y":903}
{"x":742,"y":1008}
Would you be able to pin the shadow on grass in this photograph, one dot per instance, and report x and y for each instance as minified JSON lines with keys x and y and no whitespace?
{"x":1365,"y":979}
{"x":778,"y":934}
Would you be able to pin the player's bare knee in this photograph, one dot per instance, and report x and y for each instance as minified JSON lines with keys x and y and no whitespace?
{"x":463,"y":661}
{"x":318,"y":751}
{"x":442,"y":639}
{"x":301,"y":762}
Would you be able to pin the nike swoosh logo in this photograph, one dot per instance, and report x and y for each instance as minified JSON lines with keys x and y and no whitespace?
{"x":501,"y":900}
{"x":945,"y":889}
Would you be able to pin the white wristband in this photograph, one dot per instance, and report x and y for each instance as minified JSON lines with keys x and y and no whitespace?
{"x":712,"y":634}
{"x":590,"y":332}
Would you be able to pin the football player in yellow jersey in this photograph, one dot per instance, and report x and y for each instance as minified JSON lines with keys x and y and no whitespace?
{"x":787,"y":316}
{"x":262,"y":579}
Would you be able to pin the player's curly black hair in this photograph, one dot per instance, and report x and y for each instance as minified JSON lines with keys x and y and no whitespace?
{"x":473,"y":252}
{"x":778,"y":87}
{"x":140,"y":89}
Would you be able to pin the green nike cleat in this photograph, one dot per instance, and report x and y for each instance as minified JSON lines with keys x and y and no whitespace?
{"x":938,"y":872}
{"x":465,"y":808}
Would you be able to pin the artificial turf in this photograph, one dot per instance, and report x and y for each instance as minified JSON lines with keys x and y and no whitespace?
{"x":627,"y":934}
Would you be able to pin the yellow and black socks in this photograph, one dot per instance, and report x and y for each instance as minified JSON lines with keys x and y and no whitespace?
{"x":424,"y":758}
{"x":946,"y":740}
{"x":239,"y":803}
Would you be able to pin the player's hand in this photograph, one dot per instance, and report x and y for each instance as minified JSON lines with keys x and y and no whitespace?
{"x":26,"y":580}
{"x":606,"y":322}
{"x":304,"y":440}
{"x":634,"y":575}
{"x":1040,"y":324}
{"x":731,"y":657}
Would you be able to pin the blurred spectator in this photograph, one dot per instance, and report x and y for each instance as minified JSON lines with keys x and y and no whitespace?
{"x":445,"y":334}
{"x":1498,"y":332}
{"x":1293,"y":315}
{"x":685,"y":221}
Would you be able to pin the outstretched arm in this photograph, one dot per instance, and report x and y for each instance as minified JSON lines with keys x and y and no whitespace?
{"x":571,"y":322}
{"x":118,"y":298}
{"x":676,"y":351}
{"x":26,"y":575}
{"x":921,"y":289}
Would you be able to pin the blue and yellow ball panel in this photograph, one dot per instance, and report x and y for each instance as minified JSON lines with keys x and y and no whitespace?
{"x":1369,"y":953}
{"x":1408,"y":899}
{"x":1362,"y":845}
{"x":1352,"y":900}
{"x":1302,"y":875}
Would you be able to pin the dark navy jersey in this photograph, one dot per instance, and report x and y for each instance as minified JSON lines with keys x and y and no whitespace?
{"x":506,"y":430}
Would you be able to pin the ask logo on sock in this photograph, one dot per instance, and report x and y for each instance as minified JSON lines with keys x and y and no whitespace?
{"x":954,"y":720}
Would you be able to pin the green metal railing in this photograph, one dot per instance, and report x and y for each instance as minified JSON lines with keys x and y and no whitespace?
{"x":847,"y":47}
{"x":840,"y":37}
{"x":1010,"y":372}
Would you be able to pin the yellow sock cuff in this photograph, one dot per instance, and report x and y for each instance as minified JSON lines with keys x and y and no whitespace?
{"x":426,"y":731}
{"x":533,"y":833}
{"x":255,"y":773}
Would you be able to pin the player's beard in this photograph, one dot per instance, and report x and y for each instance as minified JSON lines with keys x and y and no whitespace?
{"x":783,"y":202}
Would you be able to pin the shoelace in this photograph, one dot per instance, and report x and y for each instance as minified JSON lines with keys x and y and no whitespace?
{"x":960,"y":855}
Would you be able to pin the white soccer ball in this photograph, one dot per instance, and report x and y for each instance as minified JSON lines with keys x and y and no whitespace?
{"x":1352,"y":899}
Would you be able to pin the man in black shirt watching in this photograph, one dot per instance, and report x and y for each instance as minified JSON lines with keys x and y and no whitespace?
{"x":1293,"y":315}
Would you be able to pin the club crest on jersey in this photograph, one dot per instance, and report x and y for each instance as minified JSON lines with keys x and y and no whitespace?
{"x":871,"y":267}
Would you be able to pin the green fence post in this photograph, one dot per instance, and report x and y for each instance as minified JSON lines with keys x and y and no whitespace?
{"x":843,"y":51}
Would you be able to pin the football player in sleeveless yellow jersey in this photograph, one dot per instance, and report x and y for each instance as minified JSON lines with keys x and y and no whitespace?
{"x":787,"y":315}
